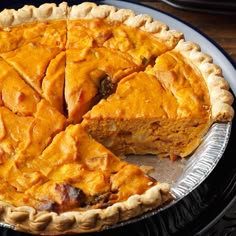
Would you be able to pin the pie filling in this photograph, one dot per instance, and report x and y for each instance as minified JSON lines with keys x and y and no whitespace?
{"x":77,"y":92}
{"x":132,"y":121}
{"x":47,"y":160}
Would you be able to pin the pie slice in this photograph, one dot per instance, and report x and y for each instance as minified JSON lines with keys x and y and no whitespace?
{"x":107,"y":50}
{"x":148,"y":113}
{"x":75,"y":158}
{"x":77,"y":174}
{"x":132,"y":121}
{"x":24,"y":116}
{"x":90,"y":74}
{"x":54,"y":81}
{"x":140,"y":44}
{"x":34,"y":71}
{"x":24,"y":136}
{"x":120,"y":29}
{"x":16,"y":95}
{"x":43,"y":36}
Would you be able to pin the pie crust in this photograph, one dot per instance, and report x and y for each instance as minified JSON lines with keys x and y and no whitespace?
{"x":43,"y":222}
{"x":221,"y":98}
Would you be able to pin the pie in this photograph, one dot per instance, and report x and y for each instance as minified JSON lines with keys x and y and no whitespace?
{"x":82,"y":86}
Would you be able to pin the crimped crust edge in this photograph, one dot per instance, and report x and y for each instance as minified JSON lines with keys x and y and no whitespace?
{"x":29,"y":220}
{"x":218,"y":87}
{"x":30,"y":13}
{"x":144,"y":22}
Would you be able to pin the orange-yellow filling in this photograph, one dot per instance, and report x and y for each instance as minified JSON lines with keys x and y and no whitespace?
{"x":120,"y":82}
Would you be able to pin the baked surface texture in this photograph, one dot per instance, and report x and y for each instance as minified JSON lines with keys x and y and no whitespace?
{"x":81,"y":86}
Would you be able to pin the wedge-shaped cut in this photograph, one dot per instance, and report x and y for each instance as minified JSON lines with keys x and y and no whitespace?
{"x":16,"y":95}
{"x":25,"y":136}
{"x":78,"y":166}
{"x":86,"y":71}
{"x":159,"y":121}
{"x":53,"y":82}
{"x":34,"y":71}
{"x":75,"y":158}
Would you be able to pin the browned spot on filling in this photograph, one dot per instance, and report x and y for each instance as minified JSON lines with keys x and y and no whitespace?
{"x":107,"y":87}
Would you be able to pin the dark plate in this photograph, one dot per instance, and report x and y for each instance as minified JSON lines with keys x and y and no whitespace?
{"x":212,"y":6}
{"x":210,"y":207}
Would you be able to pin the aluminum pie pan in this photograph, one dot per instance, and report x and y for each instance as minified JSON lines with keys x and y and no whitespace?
{"x":186,"y":174}
{"x":203,"y":160}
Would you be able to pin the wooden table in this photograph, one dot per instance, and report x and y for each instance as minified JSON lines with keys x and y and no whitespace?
{"x":220,"y":28}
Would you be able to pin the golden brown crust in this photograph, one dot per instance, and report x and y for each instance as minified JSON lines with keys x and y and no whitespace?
{"x":29,"y":13}
{"x":221,"y":98}
{"x":128,"y":17}
{"x":29,"y":220}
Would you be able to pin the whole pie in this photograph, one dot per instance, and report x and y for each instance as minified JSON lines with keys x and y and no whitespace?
{"x":82,"y":86}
